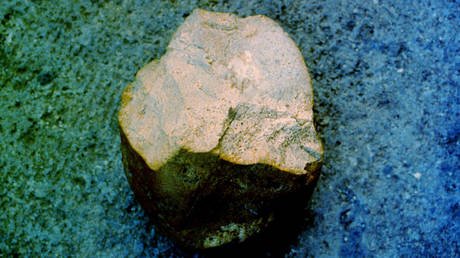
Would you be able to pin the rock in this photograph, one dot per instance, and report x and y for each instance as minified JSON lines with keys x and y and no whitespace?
{"x":218,"y":134}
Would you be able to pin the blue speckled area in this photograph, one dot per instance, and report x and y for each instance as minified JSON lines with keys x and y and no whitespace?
{"x":386,"y":77}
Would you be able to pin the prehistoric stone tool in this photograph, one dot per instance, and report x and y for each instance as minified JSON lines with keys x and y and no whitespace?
{"x":218,"y":134}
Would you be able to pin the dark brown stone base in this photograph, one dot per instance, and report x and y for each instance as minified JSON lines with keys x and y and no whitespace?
{"x":203,"y":202}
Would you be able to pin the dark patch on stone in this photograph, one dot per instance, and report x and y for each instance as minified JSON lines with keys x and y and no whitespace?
{"x":219,"y":198}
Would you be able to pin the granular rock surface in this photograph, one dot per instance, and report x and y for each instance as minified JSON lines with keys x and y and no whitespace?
{"x":387,"y":105}
{"x":225,"y":113}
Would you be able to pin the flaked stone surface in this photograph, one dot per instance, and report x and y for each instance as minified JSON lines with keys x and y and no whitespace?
{"x":219,"y":132}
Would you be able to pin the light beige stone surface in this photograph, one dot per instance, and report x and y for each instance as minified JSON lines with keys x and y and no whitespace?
{"x":233,"y":89}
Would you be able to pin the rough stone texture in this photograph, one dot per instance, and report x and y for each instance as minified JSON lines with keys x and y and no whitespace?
{"x":386,"y":101}
{"x":219,"y":131}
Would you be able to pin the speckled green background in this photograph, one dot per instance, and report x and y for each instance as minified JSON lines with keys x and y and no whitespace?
{"x":386,"y":77}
